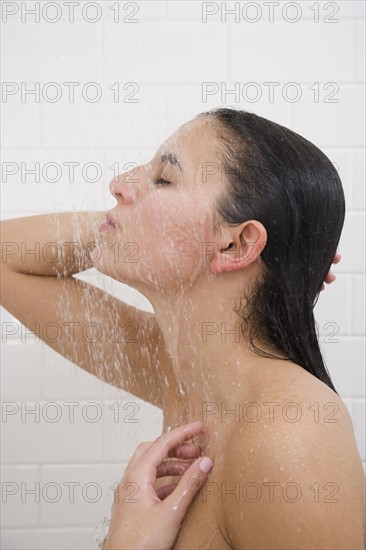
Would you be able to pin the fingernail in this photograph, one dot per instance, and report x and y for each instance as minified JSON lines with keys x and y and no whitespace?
{"x":206,"y":465}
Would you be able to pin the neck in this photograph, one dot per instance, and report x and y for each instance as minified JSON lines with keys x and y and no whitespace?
{"x":210,"y":358}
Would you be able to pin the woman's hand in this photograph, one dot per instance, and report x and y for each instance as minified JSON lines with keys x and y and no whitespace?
{"x":330,"y":278}
{"x":145,"y":518}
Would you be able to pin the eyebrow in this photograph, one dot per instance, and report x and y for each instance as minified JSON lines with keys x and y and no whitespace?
{"x":170,"y":159}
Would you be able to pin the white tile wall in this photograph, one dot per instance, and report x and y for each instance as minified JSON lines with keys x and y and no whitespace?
{"x":21,"y":123}
{"x":49,"y":431}
{"x":20,"y":488}
{"x":360,"y":50}
{"x":21,"y":371}
{"x":352,"y":243}
{"x":170,"y":53}
{"x":358,"y":304}
{"x":342,"y":160}
{"x":359,"y":179}
{"x":91,"y":495}
{"x":193,"y":10}
{"x":156,"y":56}
{"x":195,"y":99}
{"x":339,"y":124}
{"x":108,"y":124}
{"x":344,"y":358}
{"x":359,"y":424}
{"x":44,"y":539}
{"x":291,"y":64}
{"x":49,"y":178}
{"x":66,"y":58}
{"x":333,"y":310}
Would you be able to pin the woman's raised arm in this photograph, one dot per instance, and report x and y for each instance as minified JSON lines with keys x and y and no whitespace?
{"x":118,"y":343}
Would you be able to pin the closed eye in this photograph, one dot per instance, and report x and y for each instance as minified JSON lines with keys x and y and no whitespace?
{"x":161,"y":181}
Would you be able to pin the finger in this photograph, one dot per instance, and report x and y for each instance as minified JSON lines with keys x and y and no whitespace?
{"x":337,"y":258}
{"x":330,"y":278}
{"x":166,"y":490}
{"x":186,"y":450}
{"x":138,"y":454}
{"x":161,"y":447}
{"x":172,"y":468}
{"x":189,"y":485}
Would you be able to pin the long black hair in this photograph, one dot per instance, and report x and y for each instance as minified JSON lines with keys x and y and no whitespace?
{"x":284,"y":181}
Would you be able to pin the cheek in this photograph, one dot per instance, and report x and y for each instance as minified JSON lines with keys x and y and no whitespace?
{"x":173,"y":234}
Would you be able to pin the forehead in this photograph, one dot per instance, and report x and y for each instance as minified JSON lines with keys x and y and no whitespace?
{"x":194,"y":143}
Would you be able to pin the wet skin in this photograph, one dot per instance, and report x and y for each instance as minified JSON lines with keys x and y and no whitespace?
{"x":170,"y":223}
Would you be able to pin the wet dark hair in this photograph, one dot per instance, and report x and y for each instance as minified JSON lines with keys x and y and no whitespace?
{"x":285,"y":182}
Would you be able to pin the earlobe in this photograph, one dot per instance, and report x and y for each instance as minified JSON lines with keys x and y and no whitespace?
{"x":247,"y":243}
{"x":234,"y":259}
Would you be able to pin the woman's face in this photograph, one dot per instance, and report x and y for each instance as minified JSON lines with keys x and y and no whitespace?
{"x":165,"y":230}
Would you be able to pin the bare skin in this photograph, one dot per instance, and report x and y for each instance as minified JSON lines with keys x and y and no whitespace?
{"x":193,"y":290}
{"x":150,"y":519}
{"x":317,"y":453}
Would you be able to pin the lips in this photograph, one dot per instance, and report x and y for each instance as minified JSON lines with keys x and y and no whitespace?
{"x":111,"y":220}
{"x":109,"y":225}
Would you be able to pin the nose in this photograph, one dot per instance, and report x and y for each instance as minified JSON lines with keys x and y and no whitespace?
{"x":123,"y":190}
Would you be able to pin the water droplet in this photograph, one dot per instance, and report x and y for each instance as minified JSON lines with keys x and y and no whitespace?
{"x":181,"y":391}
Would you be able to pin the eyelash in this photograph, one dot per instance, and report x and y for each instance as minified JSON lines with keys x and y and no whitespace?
{"x":162,"y":181}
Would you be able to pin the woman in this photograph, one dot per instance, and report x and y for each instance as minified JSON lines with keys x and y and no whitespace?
{"x":233,"y":225}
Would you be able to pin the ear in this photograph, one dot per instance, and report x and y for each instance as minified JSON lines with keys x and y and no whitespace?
{"x":242,"y":247}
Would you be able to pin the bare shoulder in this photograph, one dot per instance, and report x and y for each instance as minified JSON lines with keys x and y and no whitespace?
{"x":297,"y":397}
{"x":296,"y":470}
